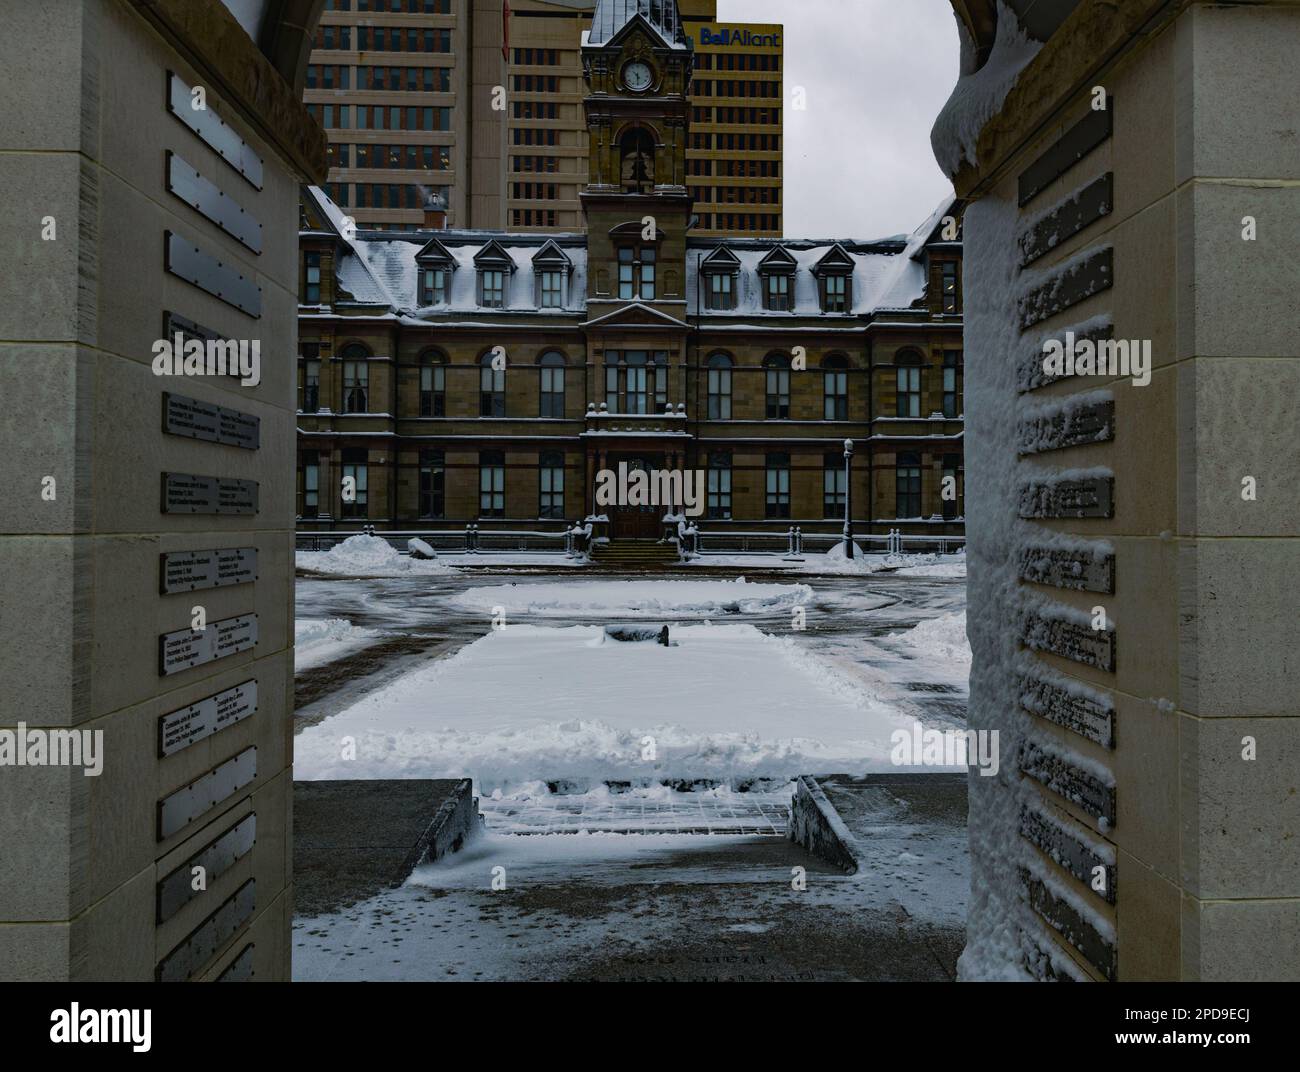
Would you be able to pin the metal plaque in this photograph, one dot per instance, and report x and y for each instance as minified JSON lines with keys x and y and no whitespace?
{"x":188,"y":648}
{"x":1079,"y":714}
{"x":1066,"y":780}
{"x":188,"y":493}
{"x":186,"y":571}
{"x":1070,"y":640}
{"x":179,"y":809}
{"x":189,"y":330}
{"x":186,"y":260}
{"x":1067,"y":287}
{"x":195,"y":419}
{"x":216,"y":858}
{"x":1074,"y":145}
{"x":208,"y":199}
{"x":1088,"y":497}
{"x":1069,"y":426}
{"x":198,"y":721}
{"x":239,"y":970}
{"x":205,"y":941}
{"x":1069,"y":923}
{"x":213,"y":131}
{"x":1080,"y":210}
{"x":1029,"y":369}
{"x":1058,"y":842}
{"x":1077,"y":570}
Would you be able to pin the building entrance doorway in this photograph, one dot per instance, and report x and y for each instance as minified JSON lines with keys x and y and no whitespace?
{"x":635,"y":522}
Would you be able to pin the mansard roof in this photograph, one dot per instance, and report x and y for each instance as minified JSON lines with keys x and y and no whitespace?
{"x":660,"y":17}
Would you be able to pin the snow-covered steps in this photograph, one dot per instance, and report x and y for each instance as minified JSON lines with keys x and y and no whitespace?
{"x":656,"y":809}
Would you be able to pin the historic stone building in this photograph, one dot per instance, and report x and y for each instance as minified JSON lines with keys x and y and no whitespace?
{"x":484,"y":377}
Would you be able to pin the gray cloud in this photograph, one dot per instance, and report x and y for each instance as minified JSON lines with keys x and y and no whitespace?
{"x":858,"y":162}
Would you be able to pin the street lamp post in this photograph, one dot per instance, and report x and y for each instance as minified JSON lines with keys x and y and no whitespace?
{"x":848,"y":498}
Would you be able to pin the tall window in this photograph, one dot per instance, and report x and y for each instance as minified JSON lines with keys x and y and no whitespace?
{"x":834,"y":485}
{"x":491,"y":484}
{"x":950,"y":299}
{"x":354,"y":467}
{"x":433,"y":385}
{"x":552,"y":376}
{"x":311,"y":279}
{"x":433,"y":483}
{"x":719,"y":485}
{"x":721,"y":290}
{"x":909,"y":385}
{"x":491,"y":389}
{"x":356,"y":379}
{"x":835,"y":293}
{"x":951,"y":388}
{"x":835,"y":396}
{"x":433,"y":286}
{"x":310,"y":483}
{"x":492,"y":288}
{"x":719,"y":388}
{"x":776,"y":291}
{"x":551,"y":484}
{"x":778,"y":486}
{"x":778,"y":387}
{"x":636,"y":381}
{"x":309,"y":370}
{"x":907,"y":486}
{"x":552,"y":289}
{"x":636,"y":273}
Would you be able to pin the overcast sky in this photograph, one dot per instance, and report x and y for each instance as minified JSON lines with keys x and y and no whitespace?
{"x":858,"y":162}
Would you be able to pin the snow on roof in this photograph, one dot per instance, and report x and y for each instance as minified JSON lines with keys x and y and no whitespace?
{"x":662,"y":16}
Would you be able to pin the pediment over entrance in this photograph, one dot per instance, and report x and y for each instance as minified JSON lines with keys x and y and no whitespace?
{"x":636,"y":314}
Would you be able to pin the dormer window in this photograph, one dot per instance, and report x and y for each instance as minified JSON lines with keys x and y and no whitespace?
{"x":494,"y":267}
{"x":492,"y":289}
{"x":433,"y":286}
{"x":552,"y":283}
{"x":719,"y":273}
{"x":949,"y":278}
{"x":835,"y":280}
{"x":551,"y":268}
{"x":435,"y":268}
{"x":835,"y":294}
{"x":777,"y":273}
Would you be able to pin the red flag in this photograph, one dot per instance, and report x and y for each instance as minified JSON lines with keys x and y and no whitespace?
{"x":505,"y":30}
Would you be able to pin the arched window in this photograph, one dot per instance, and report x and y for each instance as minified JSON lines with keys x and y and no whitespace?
{"x":550,"y":483}
{"x":552,"y":385}
{"x":356,"y":378}
{"x":433,"y":384}
{"x":778,"y":386}
{"x":907,"y":486}
{"x":491,"y":388}
{"x":909,"y":385}
{"x":719,"y":387}
{"x":836,"y":388}
{"x":636,"y":153}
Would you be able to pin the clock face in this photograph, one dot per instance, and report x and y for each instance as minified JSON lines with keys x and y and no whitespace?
{"x":637,"y":76}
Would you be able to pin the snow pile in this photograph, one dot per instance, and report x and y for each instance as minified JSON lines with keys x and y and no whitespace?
{"x":641,"y":599}
{"x":364,"y":555}
{"x":979,"y":95}
{"x":322,"y":640}
{"x":529,"y":702}
{"x":941,"y":639}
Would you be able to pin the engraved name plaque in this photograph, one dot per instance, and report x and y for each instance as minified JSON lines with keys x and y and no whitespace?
{"x":189,"y":262}
{"x":211,"y":201}
{"x":1070,"y":924}
{"x":194,"y":419}
{"x":186,"y":571}
{"x":1069,"y":426}
{"x":1087,"y":497}
{"x":182,"y":807}
{"x":187,"y":648}
{"x":1069,"y":286}
{"x":218,"y":857}
{"x":1060,"y":843}
{"x":1082,"y":571}
{"x":184,"y":727}
{"x":1084,"y":715}
{"x":196,"y":952}
{"x":1063,"y":778}
{"x":213,"y":131}
{"x":1070,"y":640}
{"x":187,"y":493}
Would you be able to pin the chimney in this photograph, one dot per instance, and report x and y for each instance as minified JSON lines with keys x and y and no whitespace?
{"x":435,"y":213}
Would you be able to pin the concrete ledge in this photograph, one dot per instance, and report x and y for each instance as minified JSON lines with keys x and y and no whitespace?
{"x":817,"y":826}
{"x":353,"y":839}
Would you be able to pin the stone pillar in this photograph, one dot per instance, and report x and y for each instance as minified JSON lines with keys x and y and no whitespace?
{"x":159,"y":846}
{"x":1134,"y":536}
